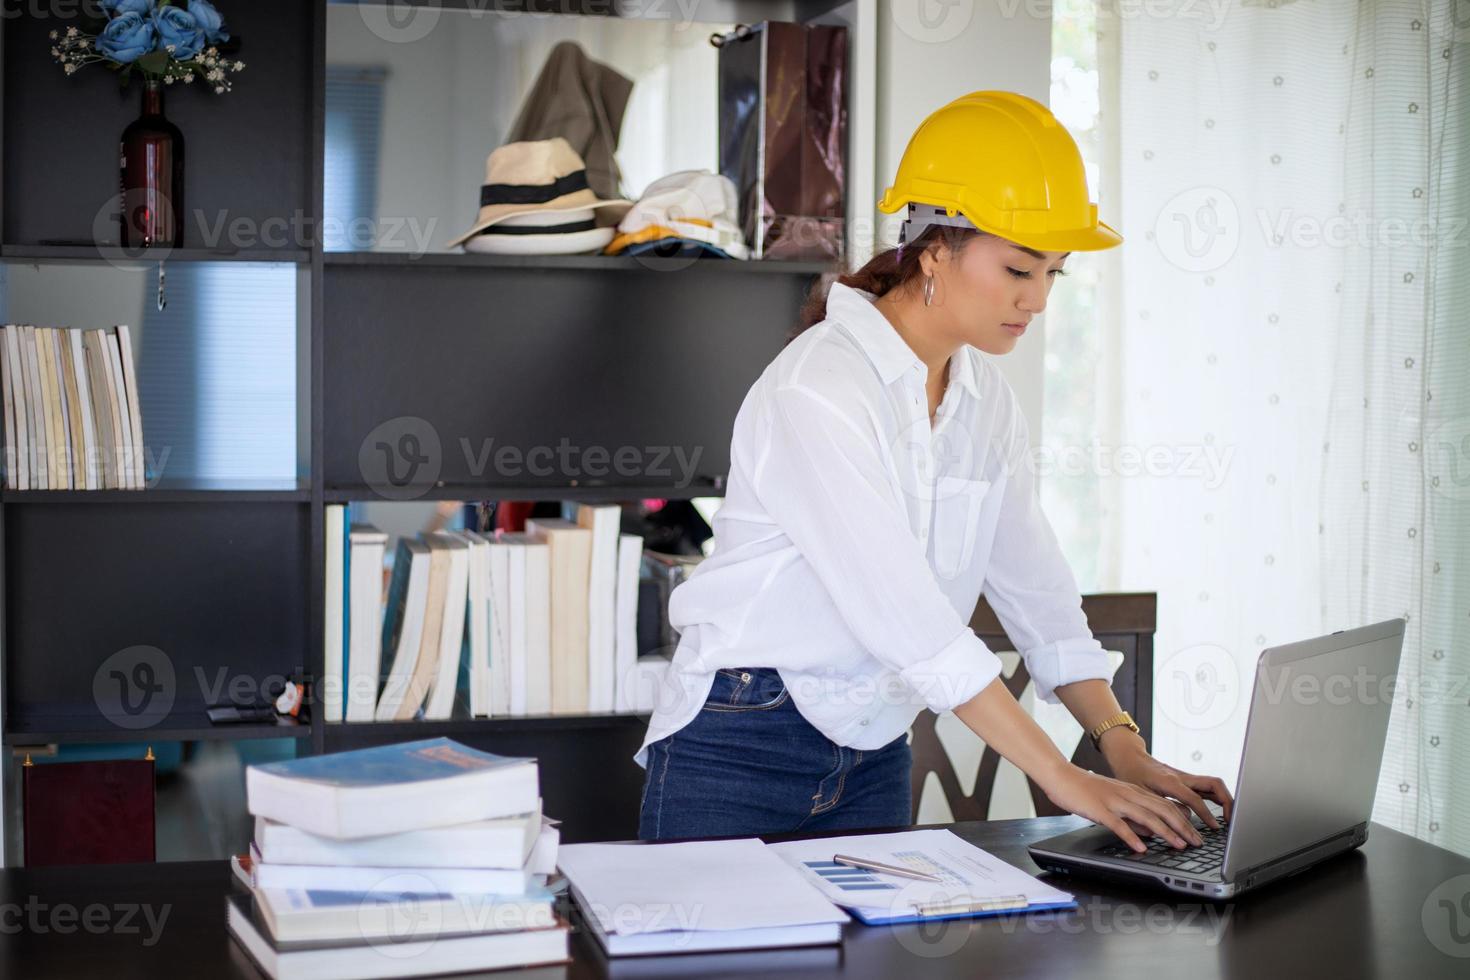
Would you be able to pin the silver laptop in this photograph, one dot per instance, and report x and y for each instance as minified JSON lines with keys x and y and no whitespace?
{"x":1308,"y":772}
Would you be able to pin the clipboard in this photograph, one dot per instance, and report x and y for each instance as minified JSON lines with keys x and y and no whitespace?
{"x":937,"y":911}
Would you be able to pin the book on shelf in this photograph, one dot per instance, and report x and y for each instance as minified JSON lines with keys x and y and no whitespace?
{"x":515,"y":694}
{"x":530,"y":690}
{"x":482,"y":625}
{"x":41,"y":407}
{"x":665,"y":572}
{"x":72,"y":415}
{"x":91,"y":475}
{"x":58,"y":405}
{"x":116,"y":412}
{"x":45,"y":378}
{"x":9,"y":409}
{"x":14,"y":451}
{"x":15,"y":397}
{"x":130,"y":478}
{"x":571,"y":554}
{"x":625,"y":647}
{"x":334,"y":517}
{"x":426,"y":664}
{"x":104,"y":416}
{"x":421,"y":847}
{"x":101,"y":364}
{"x":496,"y":695}
{"x":445,"y":679}
{"x":475,"y":656}
{"x":135,"y":418}
{"x":403,"y":626}
{"x":602,"y":569}
{"x":71,"y":421}
{"x":35,"y":337}
{"x":71,"y":412}
{"x":364,"y":598}
{"x":20,"y":379}
{"x":40,"y":475}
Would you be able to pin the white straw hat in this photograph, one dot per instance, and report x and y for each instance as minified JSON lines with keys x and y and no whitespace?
{"x":540,"y":177}
{"x":535,"y":234}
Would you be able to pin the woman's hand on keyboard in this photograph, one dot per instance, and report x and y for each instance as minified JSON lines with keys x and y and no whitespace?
{"x":1143,"y":770}
{"x":1120,"y":806}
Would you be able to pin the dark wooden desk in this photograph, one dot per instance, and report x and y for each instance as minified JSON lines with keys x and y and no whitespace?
{"x":1371,"y":913}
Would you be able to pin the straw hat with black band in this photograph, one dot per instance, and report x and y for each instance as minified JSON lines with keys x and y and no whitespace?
{"x":528,"y":185}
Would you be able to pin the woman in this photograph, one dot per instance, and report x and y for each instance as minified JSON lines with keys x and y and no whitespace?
{"x":879,"y":478}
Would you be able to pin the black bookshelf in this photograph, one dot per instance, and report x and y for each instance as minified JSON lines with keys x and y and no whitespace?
{"x":173,"y":492}
{"x":89,"y":728}
{"x":594,"y":263}
{"x":590,"y":491}
{"x":527,"y":350}
{"x":147,"y":258}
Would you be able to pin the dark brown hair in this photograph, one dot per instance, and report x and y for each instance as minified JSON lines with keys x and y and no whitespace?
{"x":894,"y":268}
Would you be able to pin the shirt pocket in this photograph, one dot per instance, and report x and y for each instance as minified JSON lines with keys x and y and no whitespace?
{"x":958,"y":505}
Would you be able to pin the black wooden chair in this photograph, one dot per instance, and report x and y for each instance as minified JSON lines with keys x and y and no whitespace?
{"x":1122,"y":622}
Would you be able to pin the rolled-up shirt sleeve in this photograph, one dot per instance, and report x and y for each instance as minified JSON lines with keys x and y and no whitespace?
{"x":822,"y":477}
{"x":1030,"y":586}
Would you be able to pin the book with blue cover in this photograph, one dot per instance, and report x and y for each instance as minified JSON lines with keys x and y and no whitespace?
{"x":392,"y":788}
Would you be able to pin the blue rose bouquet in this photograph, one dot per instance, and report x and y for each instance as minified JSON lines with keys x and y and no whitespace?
{"x":165,"y":40}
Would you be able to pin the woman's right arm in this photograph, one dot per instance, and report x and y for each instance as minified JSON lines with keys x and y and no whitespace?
{"x":819,"y":472}
{"x":1001,"y":722}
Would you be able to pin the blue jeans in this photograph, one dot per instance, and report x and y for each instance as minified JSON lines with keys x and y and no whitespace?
{"x":750,"y":764}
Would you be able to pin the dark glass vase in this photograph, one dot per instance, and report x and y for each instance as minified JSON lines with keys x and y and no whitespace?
{"x":152,"y":161}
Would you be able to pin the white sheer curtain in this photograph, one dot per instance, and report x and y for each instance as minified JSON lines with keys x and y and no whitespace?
{"x":1396,"y":511}
{"x":1285,"y":437}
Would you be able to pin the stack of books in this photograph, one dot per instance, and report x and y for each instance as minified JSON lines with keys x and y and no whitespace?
{"x":505,"y":625}
{"x":72,"y":417}
{"x":402,"y":860}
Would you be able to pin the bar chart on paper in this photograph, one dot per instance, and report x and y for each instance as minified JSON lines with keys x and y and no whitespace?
{"x":850,"y":879}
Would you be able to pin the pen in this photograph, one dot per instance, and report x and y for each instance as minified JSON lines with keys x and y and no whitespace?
{"x":887,"y":869}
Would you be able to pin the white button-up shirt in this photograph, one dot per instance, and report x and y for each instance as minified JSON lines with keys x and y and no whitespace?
{"x":854,"y":541}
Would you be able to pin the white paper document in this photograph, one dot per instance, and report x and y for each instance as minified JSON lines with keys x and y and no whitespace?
{"x":971,"y":881}
{"x":695,"y":895}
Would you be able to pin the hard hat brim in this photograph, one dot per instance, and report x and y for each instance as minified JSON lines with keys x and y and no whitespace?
{"x":1068,"y":240}
{"x":1057,"y":240}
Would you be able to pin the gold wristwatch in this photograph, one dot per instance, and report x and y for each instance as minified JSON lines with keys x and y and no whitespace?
{"x":1121,"y":718}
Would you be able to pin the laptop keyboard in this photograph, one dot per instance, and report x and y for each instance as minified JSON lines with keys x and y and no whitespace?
{"x":1204,"y":859}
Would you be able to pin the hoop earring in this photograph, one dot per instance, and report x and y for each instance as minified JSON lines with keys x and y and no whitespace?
{"x":928,"y":290}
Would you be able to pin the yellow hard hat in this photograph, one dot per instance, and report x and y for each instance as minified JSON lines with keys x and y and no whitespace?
{"x":1003,"y":162}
